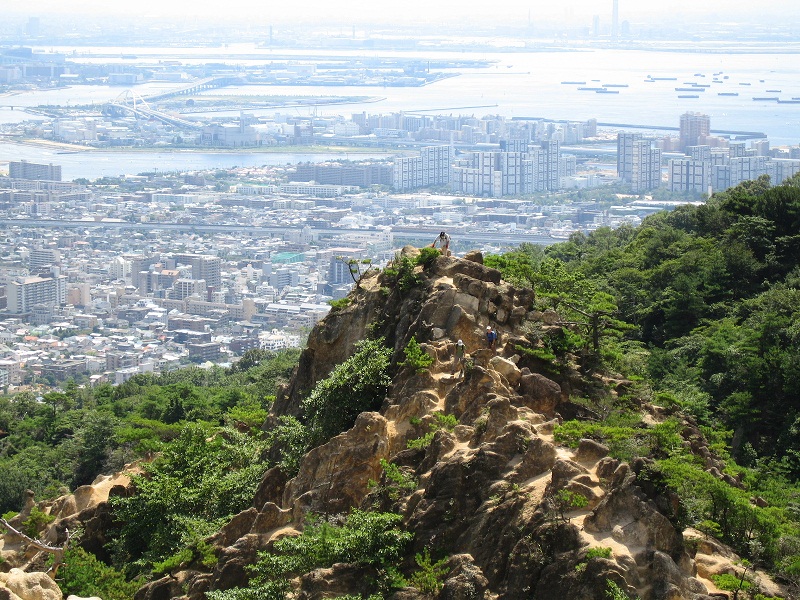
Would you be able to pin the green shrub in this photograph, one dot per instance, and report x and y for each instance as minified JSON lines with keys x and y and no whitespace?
{"x":401,"y":270}
{"x":364,"y":538}
{"x":36,"y":522}
{"x":294,"y":440}
{"x":565,"y":501}
{"x":358,"y":384}
{"x":340,"y":303}
{"x":599,"y":552}
{"x":199,"y":481}
{"x":731,"y":583}
{"x":201,"y":551}
{"x":443,"y":421}
{"x":427,"y":256}
{"x":624,"y":440}
{"x":592,"y":553}
{"x":614,"y":592}
{"x":416,"y":358}
{"x":429,"y":577}
{"x":397,"y":482}
{"x":85,"y":576}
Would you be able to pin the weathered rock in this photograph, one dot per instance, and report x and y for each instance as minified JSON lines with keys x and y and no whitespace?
{"x":465,"y":580}
{"x":590,"y":451}
{"x":449,"y":267}
{"x":30,"y":586}
{"x":475,"y":256}
{"x":333,"y":477}
{"x":7,"y":594}
{"x":563,"y":471}
{"x":632,"y":520}
{"x":338,"y":580}
{"x":539,"y":393}
{"x":507,"y":369}
{"x":539,"y":457}
{"x":606,"y":467}
{"x":166,"y":588}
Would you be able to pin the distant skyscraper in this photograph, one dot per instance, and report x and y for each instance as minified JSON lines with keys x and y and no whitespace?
{"x":615,"y":20}
{"x":32,"y":27}
{"x":694,"y":126}
{"x":625,"y":143}
{"x":638,"y":163}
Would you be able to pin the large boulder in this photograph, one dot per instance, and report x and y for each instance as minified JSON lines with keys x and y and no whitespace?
{"x":334,"y":477}
{"x":29,"y":586}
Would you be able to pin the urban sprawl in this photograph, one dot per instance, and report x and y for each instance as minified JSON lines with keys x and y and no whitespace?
{"x":104,"y":279}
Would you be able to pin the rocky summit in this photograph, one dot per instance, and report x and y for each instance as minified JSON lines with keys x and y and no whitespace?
{"x":464,"y":452}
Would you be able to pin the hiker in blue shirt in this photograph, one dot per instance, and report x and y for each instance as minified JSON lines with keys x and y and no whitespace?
{"x":491,"y":336}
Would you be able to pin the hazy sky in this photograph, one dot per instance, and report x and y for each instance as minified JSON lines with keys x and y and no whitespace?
{"x":418,"y":10}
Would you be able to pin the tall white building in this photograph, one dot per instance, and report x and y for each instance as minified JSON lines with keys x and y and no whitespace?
{"x":25,"y":292}
{"x":687,"y":175}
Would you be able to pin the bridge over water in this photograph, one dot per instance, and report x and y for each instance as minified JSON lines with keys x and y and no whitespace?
{"x":140,"y":106}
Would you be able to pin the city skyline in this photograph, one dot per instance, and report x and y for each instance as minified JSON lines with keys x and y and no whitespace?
{"x":508,"y":12}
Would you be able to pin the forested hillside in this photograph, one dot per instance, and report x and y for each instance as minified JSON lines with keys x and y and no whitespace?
{"x":710,"y":303}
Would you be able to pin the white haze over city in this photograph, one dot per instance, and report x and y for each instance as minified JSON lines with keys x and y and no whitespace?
{"x":508,"y":12}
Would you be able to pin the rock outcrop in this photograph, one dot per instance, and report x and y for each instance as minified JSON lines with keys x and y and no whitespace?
{"x":487,"y":489}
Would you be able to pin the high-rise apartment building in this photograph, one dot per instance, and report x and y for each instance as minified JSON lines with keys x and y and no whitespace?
{"x":26,"y":292}
{"x":431,"y":167}
{"x":694,"y":127}
{"x":551,"y":162}
{"x":646,"y":167}
{"x":687,"y":175}
{"x":27,"y":170}
{"x":625,"y":152}
{"x":206,"y":267}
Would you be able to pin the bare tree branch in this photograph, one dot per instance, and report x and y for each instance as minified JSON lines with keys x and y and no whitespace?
{"x":56,"y":551}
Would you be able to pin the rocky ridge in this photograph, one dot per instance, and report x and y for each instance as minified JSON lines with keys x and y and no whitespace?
{"x":487,"y":489}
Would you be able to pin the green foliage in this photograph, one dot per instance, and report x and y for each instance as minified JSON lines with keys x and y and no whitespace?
{"x":416,"y":358}
{"x":340,"y":303}
{"x":592,"y":553}
{"x":200,"y":551}
{"x":363,"y":538}
{"x":293,"y":439}
{"x":358,"y":384}
{"x":75,"y":434}
{"x":429,"y":577}
{"x":427,"y":256}
{"x":624,"y":438}
{"x":201,"y":479}
{"x":615,"y":592}
{"x":731,"y":583}
{"x":441,"y":421}
{"x":401,"y":271}
{"x":36,"y":522}
{"x":599,"y":552}
{"x":84,"y":576}
{"x":565,"y":501}
{"x":726,"y":511}
{"x":519,"y":266}
{"x":396,"y":481}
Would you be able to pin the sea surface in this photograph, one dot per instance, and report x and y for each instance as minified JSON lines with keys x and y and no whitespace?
{"x":517,"y":84}
{"x":92,"y":164}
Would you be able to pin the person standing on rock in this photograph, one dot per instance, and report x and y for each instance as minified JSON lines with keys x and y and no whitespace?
{"x":491,"y":337}
{"x":459,"y":358}
{"x":444,"y":241}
